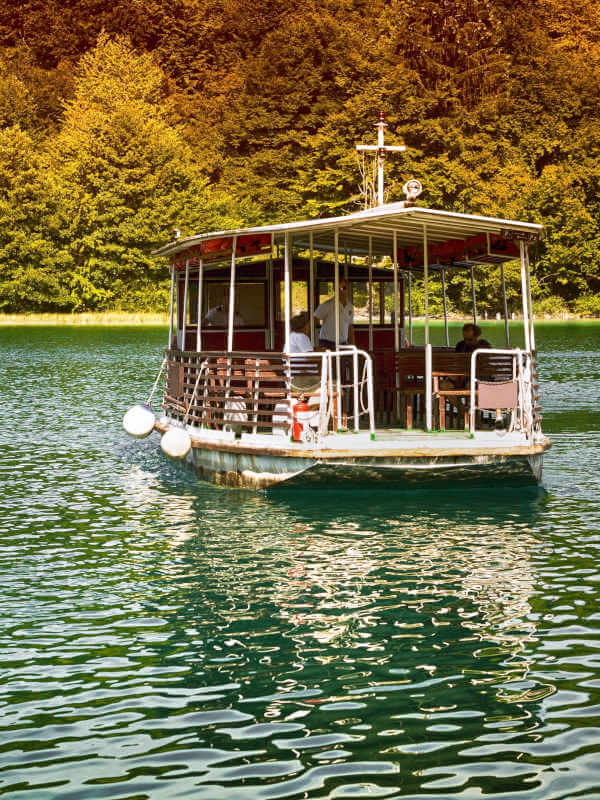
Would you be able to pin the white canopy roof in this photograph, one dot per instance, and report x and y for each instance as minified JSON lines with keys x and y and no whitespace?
{"x":380,"y":223}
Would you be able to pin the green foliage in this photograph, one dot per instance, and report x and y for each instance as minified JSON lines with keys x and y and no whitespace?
{"x":588,"y":306}
{"x":133,"y":118}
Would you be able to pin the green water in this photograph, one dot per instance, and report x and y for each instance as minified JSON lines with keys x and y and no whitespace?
{"x":161,"y":638}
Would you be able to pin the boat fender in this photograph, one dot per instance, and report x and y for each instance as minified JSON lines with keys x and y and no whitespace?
{"x":139,"y":422}
{"x":176,"y":443}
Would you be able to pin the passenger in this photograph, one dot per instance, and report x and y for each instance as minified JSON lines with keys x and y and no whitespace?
{"x":301,"y":343}
{"x":325,"y":313}
{"x":218,"y":316}
{"x":471,"y":339}
{"x":299,"y":338}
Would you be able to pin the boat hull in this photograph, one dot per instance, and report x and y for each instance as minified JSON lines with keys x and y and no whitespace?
{"x":269,"y":472}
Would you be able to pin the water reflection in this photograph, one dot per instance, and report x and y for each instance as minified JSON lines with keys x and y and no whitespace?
{"x":160,"y":638}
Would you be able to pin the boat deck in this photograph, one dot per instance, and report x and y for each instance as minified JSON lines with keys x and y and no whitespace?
{"x":398,"y":442}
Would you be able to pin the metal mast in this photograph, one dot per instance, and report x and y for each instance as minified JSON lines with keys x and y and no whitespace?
{"x":381,"y":149}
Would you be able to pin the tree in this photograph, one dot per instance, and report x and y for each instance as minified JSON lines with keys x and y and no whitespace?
{"x":30,"y":275}
{"x":125,"y":178}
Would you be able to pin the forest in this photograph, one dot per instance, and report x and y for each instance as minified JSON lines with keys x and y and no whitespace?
{"x":120,"y":122}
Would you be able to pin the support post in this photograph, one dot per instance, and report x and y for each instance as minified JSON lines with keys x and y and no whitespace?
{"x":410,"y":325}
{"x":473,"y":296}
{"x":525,"y":294}
{"x":445,"y":307}
{"x":531,"y":323}
{"x":336,"y":306}
{"x":506,"y":326}
{"x":287,"y":289}
{"x":271,"y":288}
{"x":311,"y":288}
{"x":172,"y":305}
{"x":185,"y":302}
{"x":396,"y":298}
{"x":231,"y":297}
{"x":428,"y":352}
{"x":199,"y":312}
{"x":370,"y":294}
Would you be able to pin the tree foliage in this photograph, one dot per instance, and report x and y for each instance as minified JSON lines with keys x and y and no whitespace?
{"x":119,"y":122}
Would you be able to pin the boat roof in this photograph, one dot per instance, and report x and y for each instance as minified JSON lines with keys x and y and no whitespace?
{"x":379,"y":224}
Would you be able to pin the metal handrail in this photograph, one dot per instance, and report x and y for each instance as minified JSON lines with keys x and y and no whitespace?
{"x":326,"y":357}
{"x":521,"y":370}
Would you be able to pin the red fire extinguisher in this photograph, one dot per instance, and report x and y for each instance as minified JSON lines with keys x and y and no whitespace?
{"x":301,"y":408}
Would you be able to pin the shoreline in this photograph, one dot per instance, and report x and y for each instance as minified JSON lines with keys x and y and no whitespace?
{"x":116,"y":318}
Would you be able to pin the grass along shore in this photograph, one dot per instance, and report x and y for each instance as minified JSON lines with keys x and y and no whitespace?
{"x":146,"y":318}
{"x":87,"y":318}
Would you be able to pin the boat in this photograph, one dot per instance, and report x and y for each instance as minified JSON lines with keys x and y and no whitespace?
{"x":380,"y":409}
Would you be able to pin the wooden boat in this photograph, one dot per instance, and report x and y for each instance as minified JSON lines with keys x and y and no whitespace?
{"x":380,"y":409}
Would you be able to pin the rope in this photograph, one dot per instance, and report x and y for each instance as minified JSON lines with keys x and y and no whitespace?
{"x":160,"y":371}
{"x":200,"y":371}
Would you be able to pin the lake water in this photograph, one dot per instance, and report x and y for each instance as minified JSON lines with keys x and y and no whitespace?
{"x":161,"y":638}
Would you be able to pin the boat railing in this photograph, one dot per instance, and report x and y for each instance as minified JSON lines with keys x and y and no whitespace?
{"x":346,"y":377}
{"x":507,"y":389}
{"x":254,"y":392}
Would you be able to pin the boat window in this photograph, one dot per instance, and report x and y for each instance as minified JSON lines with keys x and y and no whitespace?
{"x":388,"y":303}
{"x":249,"y":302}
{"x":360,"y":301}
{"x":299,"y":298}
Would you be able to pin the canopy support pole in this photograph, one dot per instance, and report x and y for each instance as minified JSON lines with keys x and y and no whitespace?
{"x":532,"y":333}
{"x":525,"y":297}
{"x":506,"y":327}
{"x":199,"y":312}
{"x":172,"y":305}
{"x":287,"y":290}
{"x":185,"y":299}
{"x":311,"y":288}
{"x":428,"y":352}
{"x":271,"y":289}
{"x":336,"y":290}
{"x":396,"y":298}
{"x":445,"y":307}
{"x":473,"y":296}
{"x":410,"y":320}
{"x":370,"y":294}
{"x":231,"y":297}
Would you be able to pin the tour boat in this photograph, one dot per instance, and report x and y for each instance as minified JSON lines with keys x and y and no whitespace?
{"x":380,"y":410}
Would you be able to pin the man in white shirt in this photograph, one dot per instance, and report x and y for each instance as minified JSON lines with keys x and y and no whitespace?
{"x":326,"y":314}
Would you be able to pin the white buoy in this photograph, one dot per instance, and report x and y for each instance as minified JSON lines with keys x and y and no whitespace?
{"x":139,"y":422}
{"x":176,"y":443}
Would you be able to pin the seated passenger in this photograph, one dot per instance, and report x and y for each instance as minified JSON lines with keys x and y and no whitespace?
{"x":299,"y":338}
{"x":471,"y":339}
{"x":301,"y":343}
{"x":218,"y":316}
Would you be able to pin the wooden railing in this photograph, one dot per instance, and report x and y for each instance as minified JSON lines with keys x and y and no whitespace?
{"x":250,"y":392}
